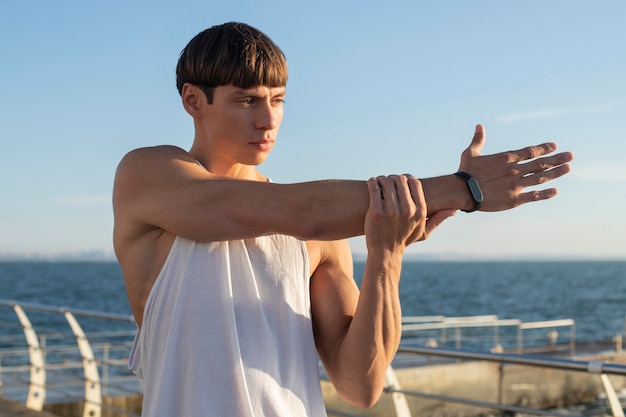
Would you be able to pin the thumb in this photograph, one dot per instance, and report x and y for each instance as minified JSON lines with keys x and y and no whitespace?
{"x":478,"y":141}
{"x":436,"y":219}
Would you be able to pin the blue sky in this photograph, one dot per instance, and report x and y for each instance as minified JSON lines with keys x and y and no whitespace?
{"x":374,"y":89}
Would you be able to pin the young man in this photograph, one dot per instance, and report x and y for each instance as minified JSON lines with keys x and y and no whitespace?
{"x":238,"y":283}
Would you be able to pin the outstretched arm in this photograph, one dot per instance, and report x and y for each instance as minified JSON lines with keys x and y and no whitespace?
{"x":164,"y":188}
{"x":357,"y":335}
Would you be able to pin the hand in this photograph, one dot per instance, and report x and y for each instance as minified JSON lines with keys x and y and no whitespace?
{"x":397,"y":213}
{"x":503,"y":177}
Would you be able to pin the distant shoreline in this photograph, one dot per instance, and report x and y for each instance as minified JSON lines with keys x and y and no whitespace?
{"x":358,"y":257}
{"x":93,"y":256}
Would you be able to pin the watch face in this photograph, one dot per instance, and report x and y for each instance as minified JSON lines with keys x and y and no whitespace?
{"x":475,"y":189}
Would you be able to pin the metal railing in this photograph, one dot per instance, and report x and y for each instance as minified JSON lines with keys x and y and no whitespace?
{"x":593,"y":367}
{"x":58,"y":360}
{"x":494,"y":335}
{"x":58,"y":355}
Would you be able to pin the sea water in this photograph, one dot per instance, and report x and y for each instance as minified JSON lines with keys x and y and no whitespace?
{"x":591,"y":293}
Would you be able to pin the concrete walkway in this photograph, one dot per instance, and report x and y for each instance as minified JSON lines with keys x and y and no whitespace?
{"x":10,"y":408}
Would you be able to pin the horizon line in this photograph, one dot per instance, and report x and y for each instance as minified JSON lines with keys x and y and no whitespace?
{"x":109,"y":256}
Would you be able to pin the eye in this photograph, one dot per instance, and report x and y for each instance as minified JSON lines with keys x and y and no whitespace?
{"x":248,"y":101}
{"x":278,"y":101}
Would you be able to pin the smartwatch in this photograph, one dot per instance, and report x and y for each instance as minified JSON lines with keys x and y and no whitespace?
{"x":474,"y":188}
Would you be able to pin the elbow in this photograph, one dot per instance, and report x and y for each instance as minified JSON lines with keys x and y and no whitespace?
{"x":363,"y":399}
{"x":361,"y":385}
{"x":368,"y":401}
{"x":362,"y":395}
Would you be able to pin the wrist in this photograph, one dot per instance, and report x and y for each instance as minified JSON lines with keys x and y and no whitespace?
{"x":445,"y":193}
{"x":384,"y":266}
{"x":475,"y":192}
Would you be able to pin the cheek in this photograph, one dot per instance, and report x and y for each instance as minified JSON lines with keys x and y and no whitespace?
{"x":279,"y":116}
{"x":234,"y":121}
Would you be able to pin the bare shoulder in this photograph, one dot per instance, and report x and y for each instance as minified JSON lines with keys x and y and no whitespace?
{"x":143,"y":171}
{"x":326,"y":257}
{"x":151,"y":157}
{"x":142,"y":179}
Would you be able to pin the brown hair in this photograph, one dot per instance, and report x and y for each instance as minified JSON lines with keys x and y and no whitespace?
{"x":231,"y":53}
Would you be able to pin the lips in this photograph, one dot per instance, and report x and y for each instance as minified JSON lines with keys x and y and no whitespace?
{"x":263,"y":145}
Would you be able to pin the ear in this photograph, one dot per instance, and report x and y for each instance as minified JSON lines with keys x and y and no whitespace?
{"x":193,"y":100}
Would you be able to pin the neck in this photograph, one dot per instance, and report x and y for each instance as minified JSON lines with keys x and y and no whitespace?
{"x":225,"y":169}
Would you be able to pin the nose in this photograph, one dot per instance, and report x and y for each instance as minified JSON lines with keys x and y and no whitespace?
{"x":268,"y":116}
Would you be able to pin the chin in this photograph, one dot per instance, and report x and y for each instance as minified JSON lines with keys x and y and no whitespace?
{"x":258,"y":160}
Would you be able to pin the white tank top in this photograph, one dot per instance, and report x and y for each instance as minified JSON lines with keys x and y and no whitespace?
{"x":227,"y":332}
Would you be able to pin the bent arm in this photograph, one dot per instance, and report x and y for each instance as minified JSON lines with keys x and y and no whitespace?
{"x":357,"y":335}
{"x":356,"y":332}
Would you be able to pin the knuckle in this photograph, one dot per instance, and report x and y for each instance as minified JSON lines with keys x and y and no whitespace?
{"x":507,"y":158}
{"x":533,"y":152}
{"x":543,"y":165}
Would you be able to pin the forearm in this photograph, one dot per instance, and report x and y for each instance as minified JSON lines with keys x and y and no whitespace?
{"x":335,"y":209}
{"x":319,"y":210}
{"x":446,"y":192}
{"x":329,"y":210}
{"x":374,"y":334}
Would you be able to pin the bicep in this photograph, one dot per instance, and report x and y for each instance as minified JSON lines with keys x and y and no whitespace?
{"x":334,"y":296}
{"x":165,"y":188}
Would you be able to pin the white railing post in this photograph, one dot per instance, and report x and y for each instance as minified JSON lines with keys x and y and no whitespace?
{"x":93,"y":389}
{"x":37,"y":389}
{"x":611,"y":396}
{"x":400,"y":405}
{"x":595,"y":367}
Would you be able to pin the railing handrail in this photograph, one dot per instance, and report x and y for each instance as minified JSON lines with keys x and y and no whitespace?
{"x":594,"y":367}
{"x":63,"y":310}
{"x":454,"y":324}
{"x":421,"y":323}
{"x":546,"y":323}
{"x":422,"y":319}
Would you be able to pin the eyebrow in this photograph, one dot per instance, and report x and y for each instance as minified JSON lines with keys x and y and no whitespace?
{"x":251,"y":92}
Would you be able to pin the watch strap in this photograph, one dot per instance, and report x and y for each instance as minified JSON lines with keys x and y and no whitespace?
{"x":474,"y":189}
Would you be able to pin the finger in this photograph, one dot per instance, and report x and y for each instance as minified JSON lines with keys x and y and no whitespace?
{"x":546,"y":163}
{"x":388,"y":187}
{"x":403,"y":194}
{"x":545,"y":176}
{"x":375,"y":194}
{"x":478,"y":141}
{"x":417,"y":194}
{"x":416,"y":190}
{"x":532,"y":152}
{"x":419,"y":199}
{"x":530,"y":196}
{"x":436,"y":219}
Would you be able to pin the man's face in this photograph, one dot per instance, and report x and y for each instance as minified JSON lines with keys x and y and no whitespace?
{"x":242,"y":124}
